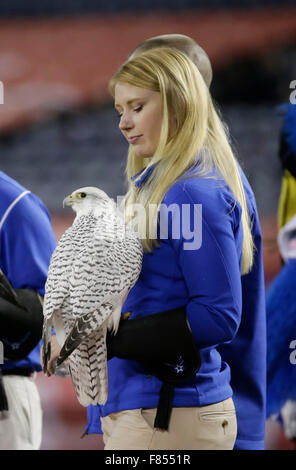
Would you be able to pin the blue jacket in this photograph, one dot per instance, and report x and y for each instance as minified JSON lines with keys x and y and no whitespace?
{"x":207,"y":280}
{"x":245,"y":354}
{"x":26,"y":245}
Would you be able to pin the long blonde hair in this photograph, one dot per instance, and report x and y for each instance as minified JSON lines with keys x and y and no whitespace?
{"x":197,"y":137}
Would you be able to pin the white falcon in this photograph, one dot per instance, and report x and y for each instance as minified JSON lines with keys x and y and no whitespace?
{"x":95,"y":264}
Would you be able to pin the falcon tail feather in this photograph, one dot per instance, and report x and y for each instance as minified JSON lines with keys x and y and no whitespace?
{"x":46,"y":353}
{"x":79,"y":332}
{"x":46,"y":340}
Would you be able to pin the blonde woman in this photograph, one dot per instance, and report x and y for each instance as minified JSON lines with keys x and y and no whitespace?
{"x":248,"y":376}
{"x":186,"y":190}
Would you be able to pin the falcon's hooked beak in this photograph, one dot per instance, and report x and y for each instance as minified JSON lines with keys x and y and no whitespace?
{"x":68,"y":201}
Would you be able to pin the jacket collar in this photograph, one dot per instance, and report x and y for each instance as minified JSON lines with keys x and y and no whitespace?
{"x":143,"y":175}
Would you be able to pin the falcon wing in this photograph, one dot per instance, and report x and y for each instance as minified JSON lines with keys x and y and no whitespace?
{"x":96,"y":288}
{"x":56,"y":288}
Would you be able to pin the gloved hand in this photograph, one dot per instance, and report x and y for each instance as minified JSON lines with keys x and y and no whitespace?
{"x":163,"y":342}
{"x":21,"y":325}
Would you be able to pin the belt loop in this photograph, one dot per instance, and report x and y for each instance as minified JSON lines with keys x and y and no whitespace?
{"x":33,"y":376}
{"x":3,"y":397}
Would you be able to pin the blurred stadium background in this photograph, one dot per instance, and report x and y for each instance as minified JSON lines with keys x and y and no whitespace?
{"x":58,"y":129}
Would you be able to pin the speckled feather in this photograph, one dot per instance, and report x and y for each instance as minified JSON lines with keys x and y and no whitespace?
{"x":96,"y":262}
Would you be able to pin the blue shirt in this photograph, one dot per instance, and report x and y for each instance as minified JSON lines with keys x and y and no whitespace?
{"x":207,"y":279}
{"x":246,"y":353}
{"x":26,"y":245}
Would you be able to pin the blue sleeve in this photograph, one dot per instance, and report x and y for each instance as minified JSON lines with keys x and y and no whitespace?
{"x":212,"y":267}
{"x":27,"y":243}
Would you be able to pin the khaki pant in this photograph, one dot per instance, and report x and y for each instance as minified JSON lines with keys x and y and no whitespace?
{"x":21,"y":426}
{"x":200,"y":428}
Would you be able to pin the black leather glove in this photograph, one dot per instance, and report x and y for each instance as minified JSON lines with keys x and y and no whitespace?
{"x":163,"y":342}
{"x":21,"y":325}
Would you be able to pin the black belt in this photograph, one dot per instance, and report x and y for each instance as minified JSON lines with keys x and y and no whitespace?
{"x":23,"y":371}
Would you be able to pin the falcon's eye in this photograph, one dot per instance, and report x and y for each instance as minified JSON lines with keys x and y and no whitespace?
{"x":82,"y":194}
